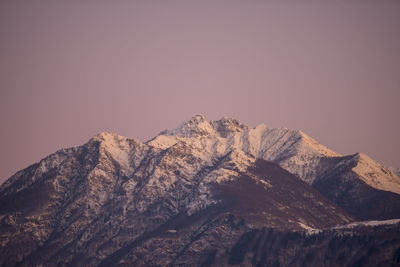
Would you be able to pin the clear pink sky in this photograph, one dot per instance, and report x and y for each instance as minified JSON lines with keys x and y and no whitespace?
{"x":71,"y":69}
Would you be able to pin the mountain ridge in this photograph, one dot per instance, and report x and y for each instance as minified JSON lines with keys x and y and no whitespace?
{"x":278,"y":147}
{"x":222,"y":193}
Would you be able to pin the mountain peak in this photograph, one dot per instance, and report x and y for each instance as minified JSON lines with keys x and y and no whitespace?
{"x":227,"y":125}
{"x":106,"y":136}
{"x":316,"y":146}
{"x":116,"y":147}
{"x":199,"y":117}
{"x":291,"y":148}
{"x":198,"y":125}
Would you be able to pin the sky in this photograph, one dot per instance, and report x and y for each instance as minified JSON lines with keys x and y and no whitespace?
{"x":72,"y":69}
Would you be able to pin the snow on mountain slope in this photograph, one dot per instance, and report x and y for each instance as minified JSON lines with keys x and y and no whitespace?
{"x":192,"y":191}
{"x":367,"y":223}
{"x":291,"y":149}
{"x":376,"y":175}
{"x":366,"y":170}
{"x":346,"y":228}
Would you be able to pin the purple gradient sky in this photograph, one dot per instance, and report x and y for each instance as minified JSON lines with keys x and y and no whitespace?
{"x":71,"y":69}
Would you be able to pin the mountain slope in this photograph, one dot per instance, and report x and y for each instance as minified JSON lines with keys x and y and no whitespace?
{"x":87,"y":203}
{"x":200,"y":194}
{"x":293,"y":150}
{"x":355,"y":184}
{"x":363,"y":181}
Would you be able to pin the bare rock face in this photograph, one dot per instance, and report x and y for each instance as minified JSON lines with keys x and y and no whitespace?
{"x":205,"y":193}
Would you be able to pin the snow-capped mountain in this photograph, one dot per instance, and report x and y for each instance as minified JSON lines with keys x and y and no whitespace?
{"x":203,"y":193}
{"x":293,"y":150}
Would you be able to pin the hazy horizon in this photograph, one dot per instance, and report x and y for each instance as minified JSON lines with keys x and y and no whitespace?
{"x":70,"y":70}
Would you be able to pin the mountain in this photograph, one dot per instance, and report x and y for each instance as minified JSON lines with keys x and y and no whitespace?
{"x":362,"y":187}
{"x":204,"y":193}
{"x":356,"y":183}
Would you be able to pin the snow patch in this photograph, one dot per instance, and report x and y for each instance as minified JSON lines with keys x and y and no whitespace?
{"x":220,"y":175}
{"x":306,"y":227}
{"x":163,"y":141}
{"x":367,"y":223}
{"x":350,"y":226}
{"x":118,"y":148}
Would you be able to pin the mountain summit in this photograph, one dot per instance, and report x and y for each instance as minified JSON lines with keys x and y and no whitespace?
{"x":291,"y":149}
{"x":203,"y":193}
